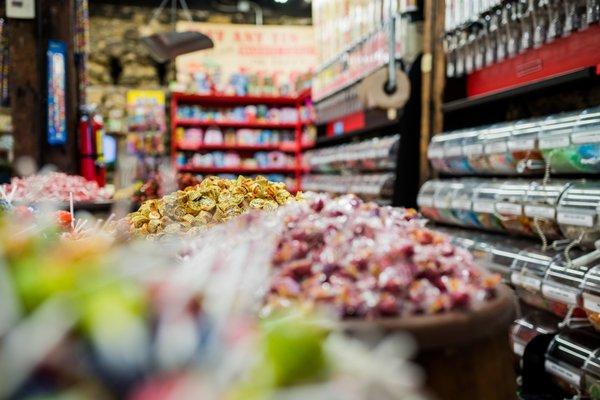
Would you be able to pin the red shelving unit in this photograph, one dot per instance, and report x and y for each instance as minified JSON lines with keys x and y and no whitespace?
{"x":225,"y":101}
{"x":285,"y":147}
{"x":238,"y":170}
{"x":566,"y":55}
{"x":235,"y":124}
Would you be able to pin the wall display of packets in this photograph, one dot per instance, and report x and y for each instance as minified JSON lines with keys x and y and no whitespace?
{"x":375,"y":154}
{"x":480,"y":33}
{"x":557,"y":209}
{"x":568,"y":142}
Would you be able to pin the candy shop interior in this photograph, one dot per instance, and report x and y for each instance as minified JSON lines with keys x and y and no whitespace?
{"x":300,"y":199}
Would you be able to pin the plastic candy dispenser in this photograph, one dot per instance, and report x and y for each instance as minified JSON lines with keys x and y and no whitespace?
{"x":562,"y":287}
{"x":555,"y":142}
{"x":527,"y":274}
{"x":591,"y":296}
{"x":425,"y":200}
{"x":473,"y":150}
{"x":462,"y":203}
{"x":540,"y":206}
{"x":509,"y":206}
{"x":577,"y":213}
{"x":455,"y":160}
{"x":586,"y":142}
{"x":442,"y":201}
{"x":523,"y":147}
{"x":435,"y":153}
{"x":567,"y":355}
{"x":495,"y":146}
{"x":525,"y":329}
{"x":484,"y":205}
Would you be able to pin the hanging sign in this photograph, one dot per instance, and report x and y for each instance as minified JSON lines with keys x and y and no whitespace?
{"x":57,"y":86}
{"x":284,"y":51}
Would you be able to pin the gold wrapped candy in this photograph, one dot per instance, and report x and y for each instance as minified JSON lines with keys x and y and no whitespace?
{"x":213,"y":201}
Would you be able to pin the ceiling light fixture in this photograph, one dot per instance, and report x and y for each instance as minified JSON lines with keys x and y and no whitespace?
{"x":168,"y":45}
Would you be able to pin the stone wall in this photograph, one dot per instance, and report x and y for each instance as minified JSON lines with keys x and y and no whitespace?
{"x":118,"y":58}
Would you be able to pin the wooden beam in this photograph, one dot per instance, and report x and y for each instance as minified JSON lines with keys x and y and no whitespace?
{"x":25,"y":82}
{"x":426,"y":65}
{"x":28,"y":42}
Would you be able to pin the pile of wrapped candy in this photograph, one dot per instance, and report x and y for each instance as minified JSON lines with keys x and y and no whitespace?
{"x":213,"y":201}
{"x":368,"y":261}
{"x":53,"y":186}
{"x":91,"y":317}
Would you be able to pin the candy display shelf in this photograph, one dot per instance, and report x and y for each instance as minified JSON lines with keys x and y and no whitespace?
{"x":237,"y":170}
{"x":292,"y":146}
{"x":285,"y":147}
{"x":236,"y":124}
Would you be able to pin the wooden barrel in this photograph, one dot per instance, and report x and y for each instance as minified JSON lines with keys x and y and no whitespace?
{"x":465,"y":355}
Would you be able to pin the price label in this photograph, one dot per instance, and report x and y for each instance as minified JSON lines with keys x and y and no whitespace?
{"x":473,"y":149}
{"x":574,"y":378}
{"x":540,"y":211}
{"x":484,"y":206}
{"x":435,"y":152}
{"x":521,"y":144}
{"x":453,"y":151}
{"x":561,"y":294}
{"x":529,"y":282}
{"x":554,"y":142}
{"x":577,"y":219}
{"x":519,"y":349}
{"x":591,"y":302}
{"x":425,"y":201}
{"x":586,"y":137}
{"x":509,"y":208}
{"x":496,"y":147}
{"x":461,"y":204}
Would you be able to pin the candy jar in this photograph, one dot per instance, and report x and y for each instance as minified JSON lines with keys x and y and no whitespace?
{"x":523,"y":147}
{"x":577,"y":213}
{"x":540,"y":206}
{"x":473,"y":150}
{"x":586,"y":140}
{"x":554,"y":141}
{"x":591,"y":376}
{"x":425,"y":200}
{"x":442,"y":201}
{"x":509,"y":206}
{"x":591,"y":296}
{"x":527,"y":273}
{"x":566,"y":356}
{"x":525,"y":329}
{"x":495,"y":146}
{"x":435,"y":153}
{"x":462,"y":203}
{"x":562,"y":287}
{"x":456,"y":161}
{"x":484,"y":205}
{"x":501,"y":259}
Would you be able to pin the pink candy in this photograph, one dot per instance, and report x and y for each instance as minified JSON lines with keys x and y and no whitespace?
{"x":368,"y":261}
{"x":54,"y":186}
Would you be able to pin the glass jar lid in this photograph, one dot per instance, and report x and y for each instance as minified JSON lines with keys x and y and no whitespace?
{"x":579,"y":205}
{"x":541,"y":200}
{"x":563,"y":283}
{"x":453,"y":144}
{"x":587,"y":127}
{"x":529,"y":269}
{"x":426,"y":193}
{"x":472,"y":142}
{"x":495,"y":140}
{"x":484,"y":197}
{"x":511,"y":197}
{"x":555,"y":131}
{"x":568,"y":352}
{"x":524,"y":135}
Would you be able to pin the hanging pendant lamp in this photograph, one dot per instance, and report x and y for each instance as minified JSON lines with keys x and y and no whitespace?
{"x":168,"y":45}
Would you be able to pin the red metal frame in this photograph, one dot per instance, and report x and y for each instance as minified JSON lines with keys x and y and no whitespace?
{"x":236,"y":124}
{"x":238,"y":170}
{"x":222,"y":100}
{"x":578,"y":51}
{"x":346,"y":124}
{"x":285,"y":147}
